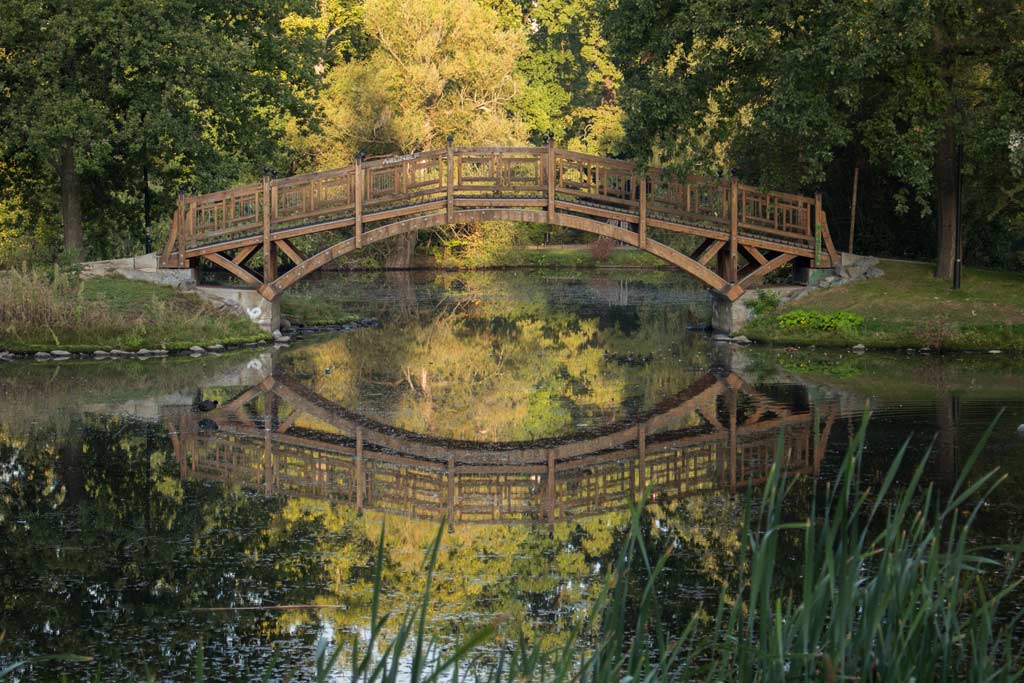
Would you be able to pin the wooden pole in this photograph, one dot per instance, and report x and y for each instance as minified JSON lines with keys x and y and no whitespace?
{"x":358,"y":189}
{"x":853,"y":207}
{"x":734,"y":228}
{"x":269,"y":251}
{"x":180,"y":217}
{"x":451,"y":494}
{"x":817,"y":228}
{"x":551,"y":180}
{"x":450,"y":217}
{"x":643,"y":211}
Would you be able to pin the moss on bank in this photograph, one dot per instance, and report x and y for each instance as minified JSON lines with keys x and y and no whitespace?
{"x":908,"y":308}
{"x":46,"y":311}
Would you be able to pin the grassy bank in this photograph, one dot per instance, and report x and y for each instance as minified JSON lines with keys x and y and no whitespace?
{"x":46,"y":310}
{"x":905,"y":308}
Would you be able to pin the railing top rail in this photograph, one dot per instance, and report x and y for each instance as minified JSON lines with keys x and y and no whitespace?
{"x":653,"y":172}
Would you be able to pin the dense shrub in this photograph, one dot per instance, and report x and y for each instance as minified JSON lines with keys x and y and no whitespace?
{"x":839,"y":321}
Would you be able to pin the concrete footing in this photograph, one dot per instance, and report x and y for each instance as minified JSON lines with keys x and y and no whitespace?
{"x":266,"y":314}
{"x":145,"y":267}
{"x":730,"y":316}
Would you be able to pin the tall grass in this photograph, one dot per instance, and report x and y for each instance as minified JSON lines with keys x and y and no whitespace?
{"x":892,"y":590}
{"x":49,"y":299}
{"x":44,"y":309}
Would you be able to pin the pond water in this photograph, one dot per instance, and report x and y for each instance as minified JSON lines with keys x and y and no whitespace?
{"x":527,"y":409}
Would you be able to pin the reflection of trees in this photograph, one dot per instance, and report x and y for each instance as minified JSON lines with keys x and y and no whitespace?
{"x":473,"y":372}
{"x":106,"y":550}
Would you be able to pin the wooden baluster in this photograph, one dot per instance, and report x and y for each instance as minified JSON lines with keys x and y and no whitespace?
{"x":551,"y":180}
{"x":358,"y":191}
{"x":450,"y":212}
{"x":733,"y":230}
{"x":643,"y":211}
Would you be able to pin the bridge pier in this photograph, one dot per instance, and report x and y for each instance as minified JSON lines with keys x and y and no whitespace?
{"x":727,"y":316}
{"x":266,"y":314}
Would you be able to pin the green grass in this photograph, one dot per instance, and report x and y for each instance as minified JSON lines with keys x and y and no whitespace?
{"x":908,"y":308}
{"x":42,"y":311}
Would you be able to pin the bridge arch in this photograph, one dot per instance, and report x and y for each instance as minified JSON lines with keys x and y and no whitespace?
{"x":748,"y":231}
{"x":387,"y":231}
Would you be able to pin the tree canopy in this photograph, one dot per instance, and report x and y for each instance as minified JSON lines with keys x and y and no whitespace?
{"x":778,"y":92}
{"x":108,"y":108}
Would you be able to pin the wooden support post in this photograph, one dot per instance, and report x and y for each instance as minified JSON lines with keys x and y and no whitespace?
{"x":817,"y":229}
{"x":551,"y":180}
{"x":549,"y":502}
{"x":269,"y":415}
{"x":451,"y":493}
{"x":450,"y":213}
{"x":733,"y":447}
{"x":182,"y":222}
{"x":269,"y":251}
{"x":358,"y":189}
{"x":191,"y":207}
{"x":643,"y":211}
{"x":734,"y":228}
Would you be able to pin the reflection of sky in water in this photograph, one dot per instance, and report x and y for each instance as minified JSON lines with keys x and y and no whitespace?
{"x":124,"y":520}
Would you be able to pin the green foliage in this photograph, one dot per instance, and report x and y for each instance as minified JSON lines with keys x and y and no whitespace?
{"x":766,"y":302}
{"x":571,"y":82}
{"x":436,"y":68}
{"x":189,"y":92}
{"x":815,"y":320}
{"x":779,"y":92}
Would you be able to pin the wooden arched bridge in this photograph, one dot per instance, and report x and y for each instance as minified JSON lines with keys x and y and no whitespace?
{"x":282,"y":439}
{"x":746,"y":232}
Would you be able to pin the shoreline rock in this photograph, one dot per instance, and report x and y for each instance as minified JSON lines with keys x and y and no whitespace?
{"x":279,"y":340}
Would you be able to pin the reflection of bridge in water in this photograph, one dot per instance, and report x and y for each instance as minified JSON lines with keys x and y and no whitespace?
{"x":282,"y":439}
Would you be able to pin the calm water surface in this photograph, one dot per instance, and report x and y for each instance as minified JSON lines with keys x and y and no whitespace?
{"x":527,"y":409}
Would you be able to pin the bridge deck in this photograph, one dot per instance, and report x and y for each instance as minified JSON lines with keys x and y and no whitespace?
{"x":370,"y":201}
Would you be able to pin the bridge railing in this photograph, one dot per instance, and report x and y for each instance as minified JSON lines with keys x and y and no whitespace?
{"x":485,"y":177}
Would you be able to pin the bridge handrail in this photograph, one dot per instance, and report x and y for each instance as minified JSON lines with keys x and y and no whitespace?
{"x":437,"y":180}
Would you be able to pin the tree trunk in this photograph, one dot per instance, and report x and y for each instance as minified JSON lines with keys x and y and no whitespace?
{"x":71,"y":201}
{"x":401,"y":252}
{"x":945,"y":188}
{"x":72,"y":465}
